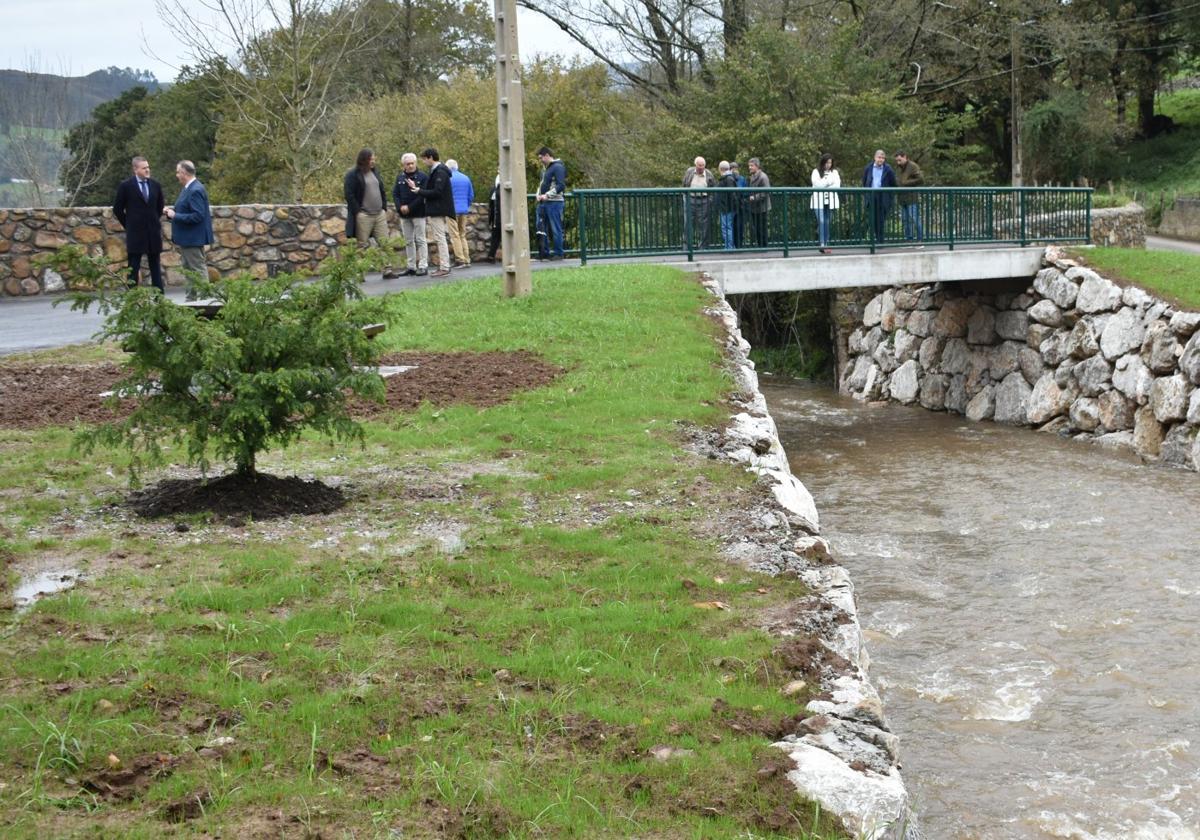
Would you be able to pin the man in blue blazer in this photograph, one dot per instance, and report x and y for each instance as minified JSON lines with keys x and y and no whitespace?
{"x":139,"y":208}
{"x":191,"y":220}
{"x":876,"y":176}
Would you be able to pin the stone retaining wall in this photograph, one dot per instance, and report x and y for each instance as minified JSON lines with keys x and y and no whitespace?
{"x":1182,"y":219}
{"x":258,"y":238}
{"x":1068,"y":351}
{"x":1120,"y":227}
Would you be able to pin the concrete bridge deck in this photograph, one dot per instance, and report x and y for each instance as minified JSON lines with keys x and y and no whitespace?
{"x":844,"y":270}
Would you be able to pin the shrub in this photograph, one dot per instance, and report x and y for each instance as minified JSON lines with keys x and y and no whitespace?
{"x":282,"y":355}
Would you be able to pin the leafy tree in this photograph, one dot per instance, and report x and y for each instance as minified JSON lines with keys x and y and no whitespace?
{"x":288,"y":60}
{"x":418,"y":42}
{"x":280,"y":357}
{"x":100,"y":149}
{"x":786,"y":100}
{"x":1088,"y":124}
{"x":607,"y":137}
{"x":181,"y":124}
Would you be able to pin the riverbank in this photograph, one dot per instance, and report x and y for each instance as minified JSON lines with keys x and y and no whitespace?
{"x":531,"y":618}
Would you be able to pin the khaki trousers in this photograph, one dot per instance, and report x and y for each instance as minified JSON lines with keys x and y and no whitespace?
{"x":367,"y":225}
{"x":437,"y":227}
{"x":458,"y":239}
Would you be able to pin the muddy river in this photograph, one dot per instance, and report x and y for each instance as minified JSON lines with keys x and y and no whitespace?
{"x":1031,"y":606}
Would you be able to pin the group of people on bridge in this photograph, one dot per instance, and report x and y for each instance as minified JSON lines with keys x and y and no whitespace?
{"x":735,"y":209}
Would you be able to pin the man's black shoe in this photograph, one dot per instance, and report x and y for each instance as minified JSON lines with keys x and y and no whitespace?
{"x":409,"y":272}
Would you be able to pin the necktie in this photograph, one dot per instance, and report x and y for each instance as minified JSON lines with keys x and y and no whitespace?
{"x":145,"y":191}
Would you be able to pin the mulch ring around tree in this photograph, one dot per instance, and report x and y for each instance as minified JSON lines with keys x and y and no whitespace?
{"x":36,"y":396}
{"x":234,"y":496}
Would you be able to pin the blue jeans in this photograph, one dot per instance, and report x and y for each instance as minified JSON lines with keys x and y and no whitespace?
{"x":727,"y":229}
{"x":911,"y":214}
{"x":551,"y":213}
{"x":824,"y":215}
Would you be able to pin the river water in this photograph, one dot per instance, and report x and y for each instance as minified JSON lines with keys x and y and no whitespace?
{"x":1031,"y":607}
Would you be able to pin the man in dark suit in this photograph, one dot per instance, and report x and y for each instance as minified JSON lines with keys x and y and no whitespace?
{"x":879,"y":176}
{"x":191,"y":220}
{"x":139,"y":208}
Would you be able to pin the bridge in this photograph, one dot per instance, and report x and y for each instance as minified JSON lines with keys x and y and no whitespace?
{"x":967,"y":233}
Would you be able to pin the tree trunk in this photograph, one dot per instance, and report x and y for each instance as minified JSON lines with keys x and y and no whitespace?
{"x":733,"y":14}
{"x":1145,"y":102}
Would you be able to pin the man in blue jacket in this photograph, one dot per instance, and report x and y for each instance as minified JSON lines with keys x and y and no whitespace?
{"x":191,"y":220}
{"x":877,"y":176}
{"x":464,"y":196}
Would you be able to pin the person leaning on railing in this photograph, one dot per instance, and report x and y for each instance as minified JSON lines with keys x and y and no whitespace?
{"x":727,"y":203}
{"x":759,"y":202}
{"x":699,"y":177}
{"x":908,"y":174}
{"x":824,"y":203}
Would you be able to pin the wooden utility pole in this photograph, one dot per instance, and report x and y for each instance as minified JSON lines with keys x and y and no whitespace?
{"x":1015,"y":117}
{"x":510,"y":119}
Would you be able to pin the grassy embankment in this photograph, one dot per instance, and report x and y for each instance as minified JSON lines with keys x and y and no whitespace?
{"x":1171,"y":275}
{"x":486,"y":642}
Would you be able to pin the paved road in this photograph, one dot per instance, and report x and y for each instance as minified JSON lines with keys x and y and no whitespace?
{"x":35,"y":323}
{"x":1162,"y":243}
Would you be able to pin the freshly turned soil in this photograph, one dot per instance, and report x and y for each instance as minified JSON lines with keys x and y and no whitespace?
{"x":36,"y":396}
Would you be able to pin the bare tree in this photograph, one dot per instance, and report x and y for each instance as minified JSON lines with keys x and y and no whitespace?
{"x":287,"y":57}
{"x":653,"y":45}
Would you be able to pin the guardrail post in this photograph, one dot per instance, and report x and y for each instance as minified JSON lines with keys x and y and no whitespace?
{"x":953,"y":217}
{"x":787,"y":231}
{"x":687,"y":226}
{"x":1088,"y":210}
{"x":581,"y":221}
{"x":1021,"y":216}
{"x":871,"y":219}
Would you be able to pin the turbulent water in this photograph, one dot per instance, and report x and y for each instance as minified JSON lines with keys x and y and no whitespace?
{"x":1031,"y":606}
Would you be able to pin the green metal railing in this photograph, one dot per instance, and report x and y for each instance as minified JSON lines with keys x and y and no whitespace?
{"x":614,"y":223}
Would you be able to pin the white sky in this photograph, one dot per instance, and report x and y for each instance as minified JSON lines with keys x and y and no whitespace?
{"x":76,"y":37}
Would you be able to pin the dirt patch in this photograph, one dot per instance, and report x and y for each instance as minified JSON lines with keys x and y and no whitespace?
{"x":131,"y":779}
{"x":747,"y":722}
{"x":261,"y":496}
{"x":35,"y":396}
{"x":480,"y":379}
{"x":188,"y":808}
{"x":376,"y":773}
{"x":811,"y":660}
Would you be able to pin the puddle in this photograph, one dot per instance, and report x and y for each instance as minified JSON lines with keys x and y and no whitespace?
{"x":41,"y":585}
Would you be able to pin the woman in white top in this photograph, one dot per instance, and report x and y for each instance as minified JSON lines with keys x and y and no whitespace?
{"x":824,"y":203}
